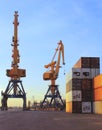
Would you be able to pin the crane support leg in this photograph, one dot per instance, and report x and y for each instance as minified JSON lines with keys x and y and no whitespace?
{"x":55,"y":98}
{"x":4,"y":104}
{"x":14,"y":90}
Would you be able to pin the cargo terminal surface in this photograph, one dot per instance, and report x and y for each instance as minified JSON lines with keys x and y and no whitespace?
{"x":16,"y":119}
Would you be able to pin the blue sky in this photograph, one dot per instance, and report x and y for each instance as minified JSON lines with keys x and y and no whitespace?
{"x":42,"y":24}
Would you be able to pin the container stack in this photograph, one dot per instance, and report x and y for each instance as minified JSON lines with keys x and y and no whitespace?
{"x":79,"y":90}
{"x":97,"y":104}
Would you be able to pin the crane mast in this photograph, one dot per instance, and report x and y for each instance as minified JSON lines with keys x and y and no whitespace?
{"x":15,"y":51}
{"x":53,"y":73}
{"x":15,"y":73}
{"x":15,"y":88}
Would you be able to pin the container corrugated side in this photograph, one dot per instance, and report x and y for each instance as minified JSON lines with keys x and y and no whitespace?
{"x":68,"y":76}
{"x":90,"y":73}
{"x":94,"y":72}
{"x":83,"y":62}
{"x":76,"y":84}
{"x":98,"y":81}
{"x":74,"y":95}
{"x":86,"y":107}
{"x":82,"y":73}
{"x":73,"y":84}
{"x":67,"y":87}
{"x":86,"y":73}
{"x":74,"y":107}
{"x":77,"y":64}
{"x":98,"y":94}
{"x":88,"y":62}
{"x":73,"y":73}
{"x":97,"y":107}
{"x":77,"y":107}
{"x":95,"y":62}
{"x":87,"y":84}
{"x":87,"y":95}
{"x":76,"y":73}
{"x":69,"y":107}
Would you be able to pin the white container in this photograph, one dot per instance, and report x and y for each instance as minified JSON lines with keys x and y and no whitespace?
{"x":82,"y":73}
{"x":86,"y":107}
{"x":74,"y":73}
{"x":94,"y":72}
{"x":97,"y":107}
{"x":86,"y":73}
{"x":74,"y":95}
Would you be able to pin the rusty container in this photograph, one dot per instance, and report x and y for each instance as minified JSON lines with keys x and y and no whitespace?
{"x":87,"y":84}
{"x":95,"y":62}
{"x":74,"y":107}
{"x":87,"y":95}
{"x":88,"y":62}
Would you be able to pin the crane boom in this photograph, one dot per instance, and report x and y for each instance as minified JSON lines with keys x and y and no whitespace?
{"x":61,"y":51}
{"x":55,"y":65}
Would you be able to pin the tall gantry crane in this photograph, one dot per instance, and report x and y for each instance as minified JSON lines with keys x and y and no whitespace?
{"x":52,"y":75}
{"x":14,"y":88}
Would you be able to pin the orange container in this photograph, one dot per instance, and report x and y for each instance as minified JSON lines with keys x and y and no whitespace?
{"x":98,"y":81}
{"x":69,"y":107}
{"x":98,"y":94}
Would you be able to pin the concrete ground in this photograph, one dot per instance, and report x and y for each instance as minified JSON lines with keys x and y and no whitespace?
{"x":48,"y":120}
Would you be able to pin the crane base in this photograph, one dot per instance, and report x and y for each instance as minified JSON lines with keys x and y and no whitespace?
{"x":14,"y":90}
{"x":55,"y":99}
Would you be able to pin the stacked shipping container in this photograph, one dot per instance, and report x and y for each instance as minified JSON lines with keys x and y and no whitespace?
{"x":79,"y":92}
{"x":97,"y":104}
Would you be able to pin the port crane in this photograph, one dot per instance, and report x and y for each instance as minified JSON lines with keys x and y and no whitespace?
{"x":52,"y":75}
{"x":15,"y":87}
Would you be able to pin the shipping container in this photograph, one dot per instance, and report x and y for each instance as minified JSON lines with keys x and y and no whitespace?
{"x":86,"y":73}
{"x":74,"y":95}
{"x":97,"y":107}
{"x":86,"y":107}
{"x":98,"y":94}
{"x":69,"y":107}
{"x":74,"y":84}
{"x":67,"y":87}
{"x":77,"y":107}
{"x":97,"y":81}
{"x":87,"y":84}
{"x":87,"y":95}
{"x":74,"y":107}
{"x":94,"y":72}
{"x":83,"y":62}
{"x":88,"y":62}
{"x":68,"y":75}
{"x":95,"y":62}
{"x":82,"y":73}
{"x":74,"y":73}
